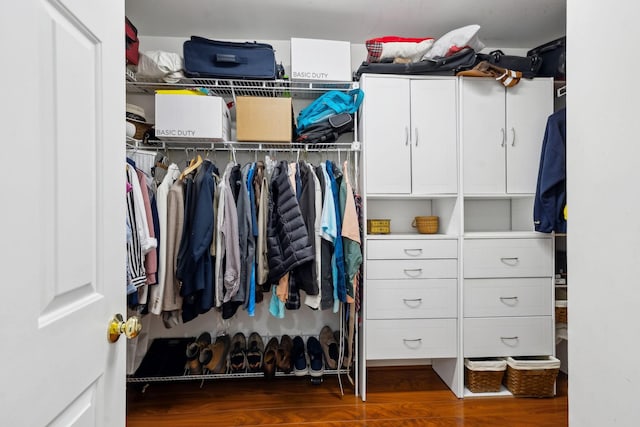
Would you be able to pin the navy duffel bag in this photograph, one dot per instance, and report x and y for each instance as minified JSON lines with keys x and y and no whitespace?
{"x":228,"y":60}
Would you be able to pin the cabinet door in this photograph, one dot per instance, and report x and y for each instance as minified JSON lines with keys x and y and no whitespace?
{"x":529,"y":104}
{"x":483,"y":136}
{"x":434,"y":137}
{"x":385,"y":116}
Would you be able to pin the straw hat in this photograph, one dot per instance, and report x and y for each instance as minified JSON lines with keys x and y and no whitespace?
{"x":136,"y":116}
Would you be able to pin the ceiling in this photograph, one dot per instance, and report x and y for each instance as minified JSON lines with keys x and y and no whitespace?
{"x":514,"y":23}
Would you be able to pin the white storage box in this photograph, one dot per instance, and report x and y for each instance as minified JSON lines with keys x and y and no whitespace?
{"x":189,"y":117}
{"x":314,"y":59}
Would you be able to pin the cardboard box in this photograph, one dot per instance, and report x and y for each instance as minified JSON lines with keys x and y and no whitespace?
{"x":314,"y":59}
{"x":260,"y":119}
{"x":189,"y":117}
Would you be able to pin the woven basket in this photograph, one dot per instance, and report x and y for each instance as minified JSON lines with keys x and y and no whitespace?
{"x":378,"y":226}
{"x":483,"y":375}
{"x":531,"y":382}
{"x":426,"y":224}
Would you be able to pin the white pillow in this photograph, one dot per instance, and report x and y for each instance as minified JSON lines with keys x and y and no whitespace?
{"x":454,"y":41}
{"x":412,"y":51}
{"x":158,"y":64}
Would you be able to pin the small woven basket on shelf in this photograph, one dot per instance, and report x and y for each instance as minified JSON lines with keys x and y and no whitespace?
{"x":426,"y":224}
{"x":483,"y":376}
{"x":531,"y":382}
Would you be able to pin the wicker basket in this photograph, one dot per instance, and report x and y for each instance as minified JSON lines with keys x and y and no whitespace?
{"x":532,"y":377}
{"x":426,"y":224}
{"x":378,"y":226}
{"x":483,"y":376}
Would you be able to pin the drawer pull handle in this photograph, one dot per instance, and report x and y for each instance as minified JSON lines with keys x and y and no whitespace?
{"x":513,"y":300}
{"x":413,"y":272}
{"x":510,"y":260}
{"x":412,"y":343}
{"x":510,"y":341}
{"x":413,"y":252}
{"x":416,"y":302}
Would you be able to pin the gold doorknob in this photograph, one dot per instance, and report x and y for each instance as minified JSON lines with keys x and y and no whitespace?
{"x":131,"y":328}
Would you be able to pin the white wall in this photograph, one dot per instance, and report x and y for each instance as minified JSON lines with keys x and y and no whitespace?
{"x":603,"y":106}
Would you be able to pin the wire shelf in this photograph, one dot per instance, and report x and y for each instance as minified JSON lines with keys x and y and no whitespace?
{"x":187,"y":377}
{"x":136,"y":144}
{"x":230,"y":88}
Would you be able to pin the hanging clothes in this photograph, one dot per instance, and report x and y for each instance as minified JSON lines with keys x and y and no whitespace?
{"x":329,"y":233}
{"x":350,"y":234}
{"x":157,"y":293}
{"x":287,"y":241}
{"x":550,"y":199}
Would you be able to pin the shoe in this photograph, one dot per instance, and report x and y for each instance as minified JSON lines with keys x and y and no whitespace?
{"x":219,"y":352}
{"x":283,"y":356}
{"x":299,"y":357}
{"x":330,"y":348}
{"x":255,"y":352}
{"x":238,"y":355}
{"x":193,"y":353}
{"x":314,"y":350}
{"x":270,"y":356}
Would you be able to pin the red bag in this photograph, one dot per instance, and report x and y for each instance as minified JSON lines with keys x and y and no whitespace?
{"x":132,"y":42}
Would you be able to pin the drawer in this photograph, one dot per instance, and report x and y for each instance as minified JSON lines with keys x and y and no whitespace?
{"x":411,"y":339}
{"x":411,"y":249}
{"x":411,"y":299}
{"x":508,"y":336}
{"x":413,"y":269}
{"x":507,"y":297}
{"x":508,"y":258}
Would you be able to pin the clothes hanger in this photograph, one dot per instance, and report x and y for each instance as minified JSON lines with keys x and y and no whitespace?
{"x":193,"y":165}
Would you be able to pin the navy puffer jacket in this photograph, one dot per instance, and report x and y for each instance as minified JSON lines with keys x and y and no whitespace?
{"x":287,"y":239}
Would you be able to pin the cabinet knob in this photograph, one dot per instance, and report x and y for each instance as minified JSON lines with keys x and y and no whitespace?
{"x":406,"y":135}
{"x":510,"y":301}
{"x":513,"y":137}
{"x":412,"y":343}
{"x":412,"y":302}
{"x":513,"y":261}
{"x":503,"y":137}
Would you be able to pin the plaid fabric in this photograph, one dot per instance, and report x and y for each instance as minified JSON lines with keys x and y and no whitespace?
{"x":293,"y":299}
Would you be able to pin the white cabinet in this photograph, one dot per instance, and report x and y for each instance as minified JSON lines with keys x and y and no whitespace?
{"x":410,"y":134}
{"x":502,"y":131}
{"x":411,"y":299}
{"x":508,"y":294}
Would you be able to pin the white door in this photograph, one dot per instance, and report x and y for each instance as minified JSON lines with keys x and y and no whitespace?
{"x":434,"y":153}
{"x":386,"y":138}
{"x":483,"y":136}
{"x":529,"y":104}
{"x":62,"y":220}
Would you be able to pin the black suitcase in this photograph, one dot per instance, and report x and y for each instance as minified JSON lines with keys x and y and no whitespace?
{"x":554,"y":56}
{"x":228,"y":60}
{"x":448,"y":66}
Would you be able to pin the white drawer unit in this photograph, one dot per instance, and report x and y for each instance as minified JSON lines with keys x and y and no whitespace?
{"x":507,"y":297}
{"x":411,"y":249}
{"x":412,"y":269}
{"x":508,"y":336}
{"x":508,"y":258}
{"x":411,"y":339}
{"x":411,"y":299}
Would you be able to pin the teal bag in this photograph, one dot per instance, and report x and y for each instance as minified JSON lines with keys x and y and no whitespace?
{"x":330,"y":103}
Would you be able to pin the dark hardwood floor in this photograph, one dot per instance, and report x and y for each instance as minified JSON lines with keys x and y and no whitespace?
{"x":397,"y":396}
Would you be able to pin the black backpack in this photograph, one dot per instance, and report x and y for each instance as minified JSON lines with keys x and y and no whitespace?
{"x":326,"y":131}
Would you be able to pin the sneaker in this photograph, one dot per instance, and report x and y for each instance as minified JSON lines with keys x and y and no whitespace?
{"x":330,"y":348}
{"x":314,"y":350}
{"x":255,"y":351}
{"x":299,"y":357}
{"x":193,"y":353}
{"x":219,"y":352}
